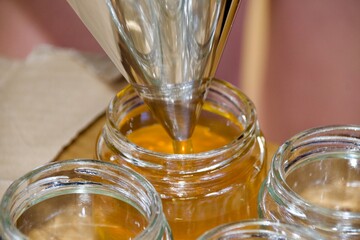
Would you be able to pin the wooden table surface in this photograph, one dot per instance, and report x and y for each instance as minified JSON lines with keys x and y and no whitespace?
{"x":84,"y":145}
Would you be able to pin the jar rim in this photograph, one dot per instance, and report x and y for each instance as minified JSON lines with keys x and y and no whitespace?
{"x":155,"y":218}
{"x":279,"y":167}
{"x":249,"y":129}
{"x":251,"y":226}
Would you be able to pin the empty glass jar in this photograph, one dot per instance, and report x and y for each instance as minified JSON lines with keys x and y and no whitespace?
{"x":82,"y":199}
{"x":315,"y":181}
{"x":260,"y":229}
{"x":217,"y":183}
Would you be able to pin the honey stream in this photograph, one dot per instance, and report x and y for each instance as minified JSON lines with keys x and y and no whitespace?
{"x":183,"y":147}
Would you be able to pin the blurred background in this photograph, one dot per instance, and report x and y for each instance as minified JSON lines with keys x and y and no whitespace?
{"x":299,"y":61}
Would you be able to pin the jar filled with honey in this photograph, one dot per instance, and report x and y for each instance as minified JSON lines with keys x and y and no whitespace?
{"x":212,"y":180}
{"x":82,"y":199}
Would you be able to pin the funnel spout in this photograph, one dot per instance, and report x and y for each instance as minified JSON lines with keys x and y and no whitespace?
{"x":176,"y":106}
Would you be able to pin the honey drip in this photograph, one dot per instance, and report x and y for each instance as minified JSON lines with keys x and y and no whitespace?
{"x":183,"y":147}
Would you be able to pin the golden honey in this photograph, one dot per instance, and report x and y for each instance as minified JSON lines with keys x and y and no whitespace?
{"x":213,"y":131}
{"x":206,"y":137}
{"x":216,"y":183}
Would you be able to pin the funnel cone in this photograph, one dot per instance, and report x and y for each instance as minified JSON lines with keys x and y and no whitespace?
{"x":166,"y":49}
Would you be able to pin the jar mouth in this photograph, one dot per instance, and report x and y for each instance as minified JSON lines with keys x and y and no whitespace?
{"x":245,"y":107}
{"x":79,"y":176}
{"x":256,"y":228}
{"x":317,"y":151}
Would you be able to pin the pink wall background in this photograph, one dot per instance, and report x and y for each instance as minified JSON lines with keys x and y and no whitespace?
{"x":312,"y":73}
{"x":24,"y":25}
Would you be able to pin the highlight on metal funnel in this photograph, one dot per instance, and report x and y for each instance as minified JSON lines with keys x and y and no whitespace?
{"x":166,"y":49}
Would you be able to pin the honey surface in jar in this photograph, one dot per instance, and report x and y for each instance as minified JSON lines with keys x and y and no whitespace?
{"x":218,"y":196}
{"x":155,"y":138}
{"x":212,"y":131}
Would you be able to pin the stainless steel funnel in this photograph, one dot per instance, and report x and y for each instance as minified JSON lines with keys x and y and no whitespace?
{"x":166,"y":49}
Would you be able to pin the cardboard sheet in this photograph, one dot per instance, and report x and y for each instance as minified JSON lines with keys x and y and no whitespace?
{"x":45,"y":101}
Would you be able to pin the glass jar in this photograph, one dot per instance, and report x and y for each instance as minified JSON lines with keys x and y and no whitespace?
{"x":82,"y":199}
{"x":315,"y":181}
{"x":216,"y":184}
{"x":260,"y":229}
